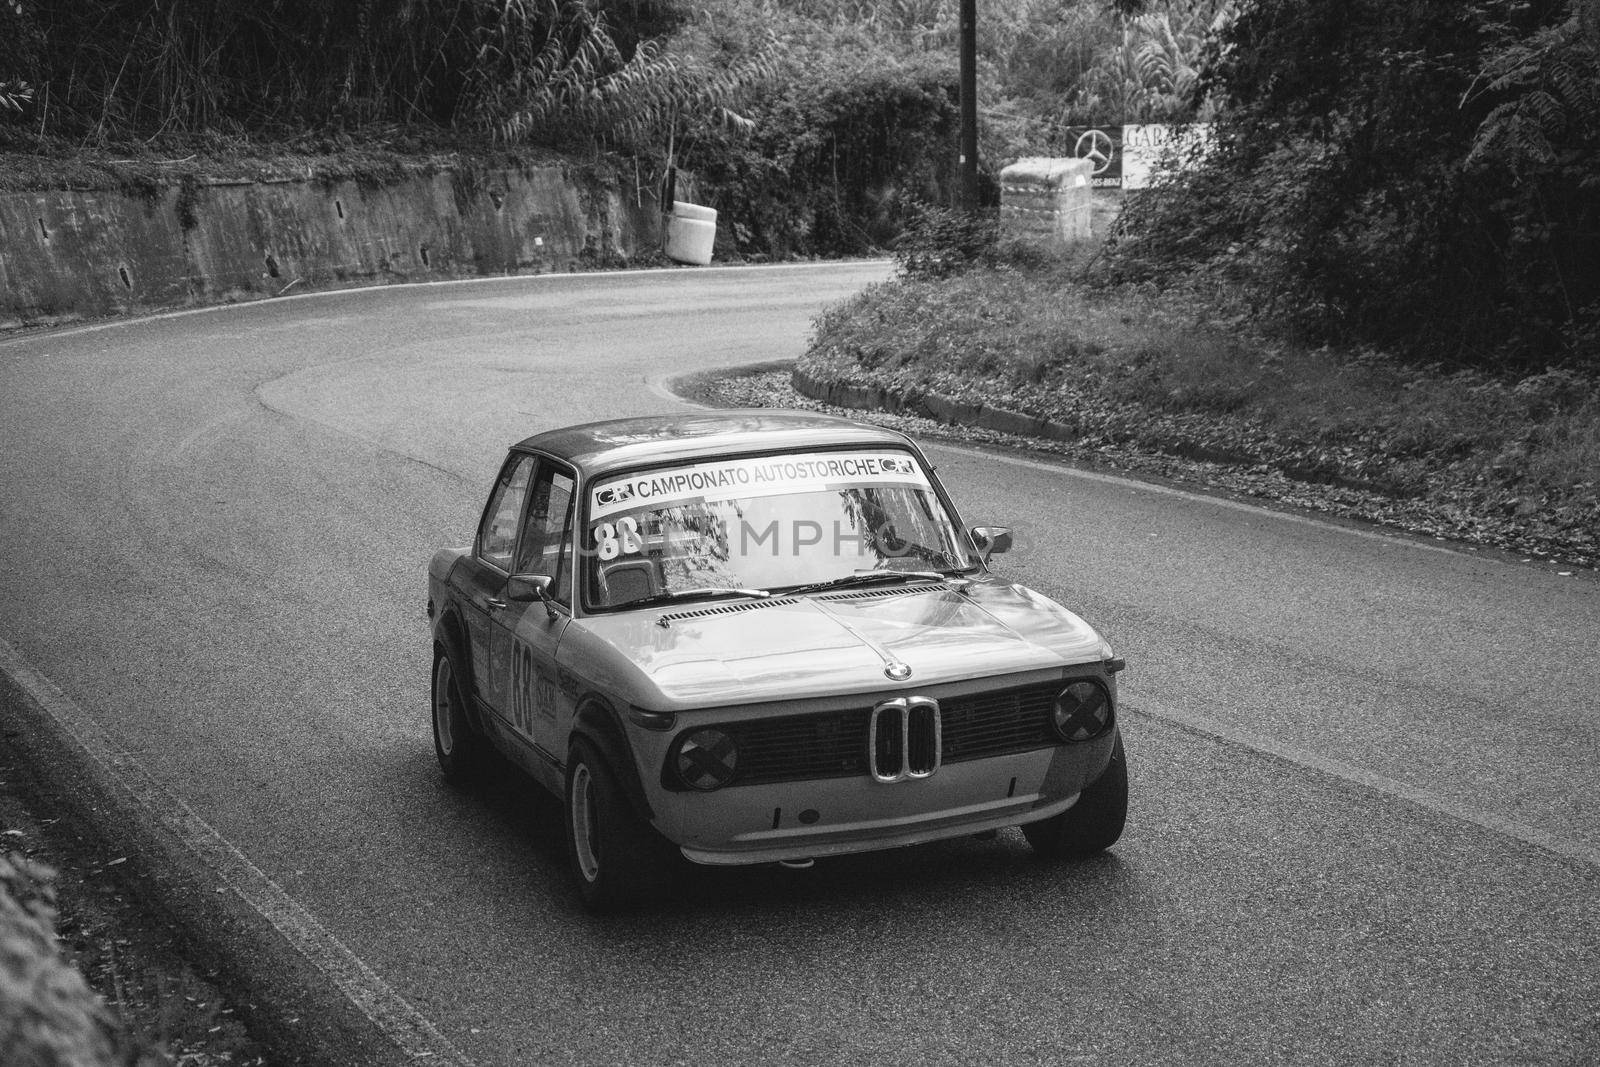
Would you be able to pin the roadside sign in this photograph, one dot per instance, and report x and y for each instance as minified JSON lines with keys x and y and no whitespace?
{"x":1125,"y":157}
{"x":1100,"y":145}
{"x":1143,"y":148}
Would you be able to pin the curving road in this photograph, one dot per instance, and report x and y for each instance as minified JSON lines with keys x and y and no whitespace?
{"x":1366,"y":771}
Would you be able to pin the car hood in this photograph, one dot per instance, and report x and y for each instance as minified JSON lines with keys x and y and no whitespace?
{"x":713,"y":653}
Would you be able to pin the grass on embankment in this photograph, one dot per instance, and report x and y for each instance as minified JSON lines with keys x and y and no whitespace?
{"x":1458,"y":453}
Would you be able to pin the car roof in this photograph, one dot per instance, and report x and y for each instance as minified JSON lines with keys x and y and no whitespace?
{"x":598,"y":447}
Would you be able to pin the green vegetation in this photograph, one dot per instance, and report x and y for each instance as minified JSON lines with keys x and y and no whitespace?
{"x":1182,"y":372}
{"x":852,"y":134}
{"x":1418,"y":175}
{"x":817,"y":126}
{"x":110,"y":69}
{"x":1382,"y":278}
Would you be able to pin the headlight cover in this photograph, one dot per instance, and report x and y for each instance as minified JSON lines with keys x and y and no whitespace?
{"x":706,"y":758}
{"x":1083,"y":711}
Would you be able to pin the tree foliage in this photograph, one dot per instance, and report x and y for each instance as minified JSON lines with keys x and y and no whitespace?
{"x":637,"y":106}
{"x":1420,"y":175}
{"x":1541,"y":147}
{"x":809,"y":127}
{"x":840,"y":149}
{"x":149,"y":67}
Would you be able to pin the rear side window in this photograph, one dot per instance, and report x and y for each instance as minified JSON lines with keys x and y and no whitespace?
{"x":497,"y":533}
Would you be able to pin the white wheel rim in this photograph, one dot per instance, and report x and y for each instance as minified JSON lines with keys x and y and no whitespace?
{"x":581,"y":804}
{"x":442,"y":708}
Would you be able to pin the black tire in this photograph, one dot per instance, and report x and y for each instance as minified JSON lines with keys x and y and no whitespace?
{"x":1091,"y":825}
{"x":462,"y":750}
{"x":618,"y":860}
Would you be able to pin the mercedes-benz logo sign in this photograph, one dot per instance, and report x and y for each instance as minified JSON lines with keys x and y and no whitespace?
{"x":1095,"y":146}
{"x":897,"y":671}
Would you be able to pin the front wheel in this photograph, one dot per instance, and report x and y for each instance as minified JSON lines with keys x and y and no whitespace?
{"x":1091,"y":825}
{"x":461,"y":749}
{"x":619,"y":860}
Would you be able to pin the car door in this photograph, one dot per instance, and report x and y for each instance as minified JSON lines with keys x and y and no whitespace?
{"x":533,"y":629}
{"x":482,"y":580}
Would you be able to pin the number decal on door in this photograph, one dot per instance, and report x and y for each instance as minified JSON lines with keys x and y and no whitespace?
{"x":532,"y":694}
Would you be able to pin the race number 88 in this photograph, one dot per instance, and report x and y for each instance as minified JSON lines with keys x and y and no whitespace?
{"x":619,"y":539}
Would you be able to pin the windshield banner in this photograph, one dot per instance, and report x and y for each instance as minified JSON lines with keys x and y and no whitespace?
{"x":751,"y":477}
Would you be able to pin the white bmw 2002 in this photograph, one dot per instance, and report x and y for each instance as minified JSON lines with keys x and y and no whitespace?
{"x":755,"y":636}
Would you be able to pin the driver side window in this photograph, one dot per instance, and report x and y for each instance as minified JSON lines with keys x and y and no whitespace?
{"x":497,"y":533}
{"x":546,"y":546}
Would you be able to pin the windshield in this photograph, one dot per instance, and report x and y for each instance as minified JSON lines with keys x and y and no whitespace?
{"x":763,"y":523}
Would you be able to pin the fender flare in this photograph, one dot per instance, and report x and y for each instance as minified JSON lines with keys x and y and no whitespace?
{"x":598,"y":724}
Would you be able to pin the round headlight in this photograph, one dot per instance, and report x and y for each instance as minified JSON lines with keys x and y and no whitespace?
{"x":1083,"y":711}
{"x":707,"y":758}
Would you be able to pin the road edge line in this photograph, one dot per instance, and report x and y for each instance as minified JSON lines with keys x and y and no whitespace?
{"x":1347,"y":772}
{"x":391,"y":1013}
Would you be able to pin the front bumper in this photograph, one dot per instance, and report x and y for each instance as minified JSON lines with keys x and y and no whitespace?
{"x":836,"y":816}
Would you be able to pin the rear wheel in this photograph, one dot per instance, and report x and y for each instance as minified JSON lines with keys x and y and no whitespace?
{"x":461,"y":749}
{"x":1091,"y":825}
{"x":619,"y":860}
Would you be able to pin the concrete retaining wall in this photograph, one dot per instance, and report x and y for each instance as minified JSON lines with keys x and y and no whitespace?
{"x":72,"y":254}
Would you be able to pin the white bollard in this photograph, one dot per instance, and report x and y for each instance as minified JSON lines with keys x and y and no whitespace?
{"x":691,"y":233}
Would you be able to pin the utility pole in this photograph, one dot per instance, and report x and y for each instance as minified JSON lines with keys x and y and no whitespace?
{"x":969,"y":105}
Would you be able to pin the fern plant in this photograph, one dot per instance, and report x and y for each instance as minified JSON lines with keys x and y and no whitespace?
{"x":14,"y":95}
{"x":643,"y":105}
{"x":1544,"y":134}
{"x":1148,"y":67}
{"x":1552,"y":81}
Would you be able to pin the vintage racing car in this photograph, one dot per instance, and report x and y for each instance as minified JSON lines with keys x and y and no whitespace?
{"x":757,"y":636}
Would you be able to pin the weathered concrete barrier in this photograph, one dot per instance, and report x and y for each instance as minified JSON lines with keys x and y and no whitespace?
{"x":1047,"y":199}
{"x":84,"y":253}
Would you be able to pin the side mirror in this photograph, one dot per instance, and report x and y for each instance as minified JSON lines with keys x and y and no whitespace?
{"x":991,"y":540}
{"x":524,"y":588}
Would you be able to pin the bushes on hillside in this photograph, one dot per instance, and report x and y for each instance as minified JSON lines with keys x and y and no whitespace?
{"x":811,"y":143}
{"x":836,"y":156}
{"x":1422,"y":175}
{"x":813,"y":122}
{"x":119,"y":68}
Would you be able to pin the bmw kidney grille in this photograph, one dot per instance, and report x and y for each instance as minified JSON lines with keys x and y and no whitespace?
{"x":903,"y":740}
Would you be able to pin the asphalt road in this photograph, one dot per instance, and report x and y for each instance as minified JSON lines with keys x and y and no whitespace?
{"x":1365,"y":771}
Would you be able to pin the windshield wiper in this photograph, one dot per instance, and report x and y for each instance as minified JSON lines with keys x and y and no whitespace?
{"x":866,"y":578}
{"x":704,"y":592}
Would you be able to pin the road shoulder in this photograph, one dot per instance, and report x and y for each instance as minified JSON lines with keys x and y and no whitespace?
{"x":195,"y":973}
